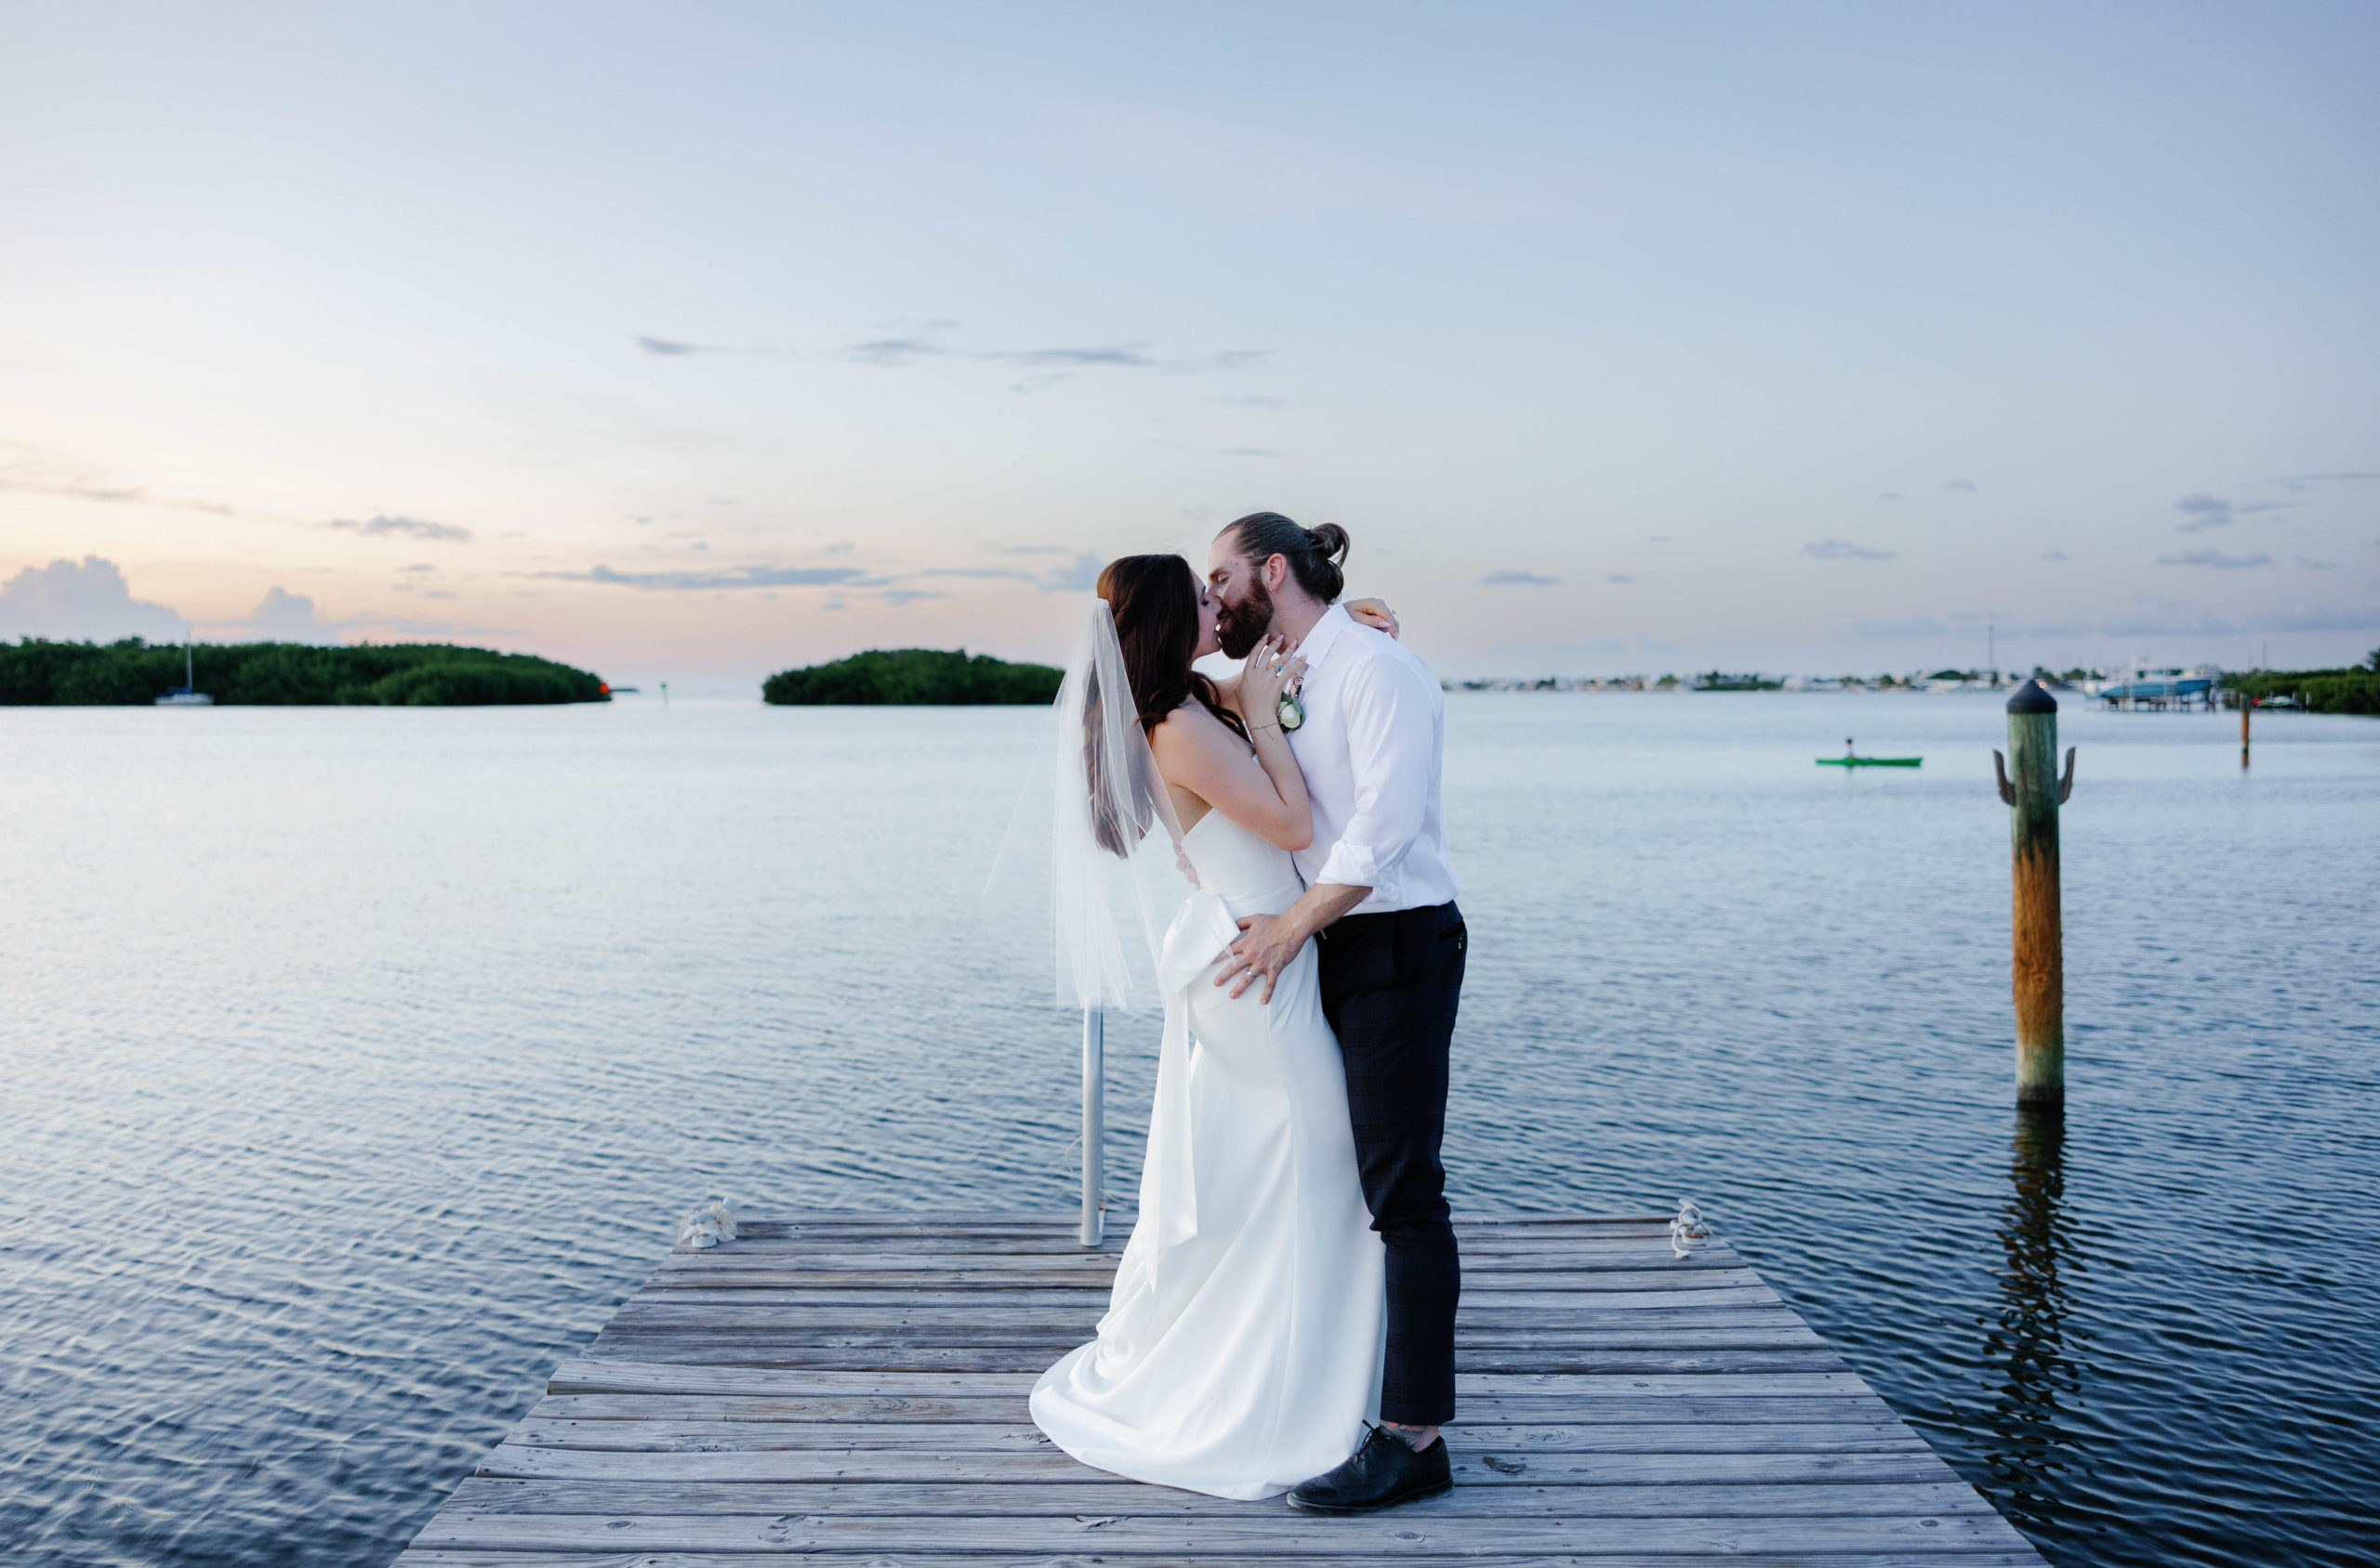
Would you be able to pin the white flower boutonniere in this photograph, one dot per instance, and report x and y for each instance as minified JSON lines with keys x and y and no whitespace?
{"x":1290,"y":711}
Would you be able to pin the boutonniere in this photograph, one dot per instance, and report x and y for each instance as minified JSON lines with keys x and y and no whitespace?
{"x":1290,"y":711}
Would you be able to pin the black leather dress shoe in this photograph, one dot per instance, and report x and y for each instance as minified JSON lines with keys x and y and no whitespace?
{"x":1383,"y":1472}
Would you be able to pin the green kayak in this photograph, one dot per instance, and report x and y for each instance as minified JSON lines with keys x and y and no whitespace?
{"x":1869,"y":761}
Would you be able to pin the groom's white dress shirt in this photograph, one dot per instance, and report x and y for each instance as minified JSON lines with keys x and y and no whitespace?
{"x":1372,"y":748}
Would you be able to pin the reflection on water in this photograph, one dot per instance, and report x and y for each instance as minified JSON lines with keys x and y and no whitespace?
{"x":2034,"y":1345}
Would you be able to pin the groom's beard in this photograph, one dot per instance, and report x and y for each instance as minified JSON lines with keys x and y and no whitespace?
{"x":1240,"y":621}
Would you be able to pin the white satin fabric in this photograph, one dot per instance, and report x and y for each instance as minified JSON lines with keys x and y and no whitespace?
{"x":1241,"y":1350}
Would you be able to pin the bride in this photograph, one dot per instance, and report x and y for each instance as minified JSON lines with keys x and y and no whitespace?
{"x":1240,"y":1353}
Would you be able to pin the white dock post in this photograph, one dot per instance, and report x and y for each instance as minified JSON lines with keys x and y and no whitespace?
{"x":1094,"y":1125}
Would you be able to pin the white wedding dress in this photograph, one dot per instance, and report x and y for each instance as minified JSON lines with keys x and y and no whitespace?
{"x":1241,"y":1350}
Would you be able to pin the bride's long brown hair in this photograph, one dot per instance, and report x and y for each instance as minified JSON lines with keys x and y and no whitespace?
{"x":1155,"y":601}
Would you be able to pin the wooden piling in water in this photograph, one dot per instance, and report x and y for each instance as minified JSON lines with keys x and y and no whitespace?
{"x":2029,"y":783}
{"x":2245,"y":703}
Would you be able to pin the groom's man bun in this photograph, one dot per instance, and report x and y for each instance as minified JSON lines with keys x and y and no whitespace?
{"x":1315,"y":554}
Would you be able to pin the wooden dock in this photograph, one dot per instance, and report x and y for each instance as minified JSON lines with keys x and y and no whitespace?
{"x":849,"y":1388}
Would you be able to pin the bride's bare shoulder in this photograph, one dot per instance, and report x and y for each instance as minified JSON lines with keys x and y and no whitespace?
{"x":1190,"y":725}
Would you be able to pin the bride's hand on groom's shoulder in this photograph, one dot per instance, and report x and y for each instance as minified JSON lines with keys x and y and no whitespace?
{"x":1374,"y":614}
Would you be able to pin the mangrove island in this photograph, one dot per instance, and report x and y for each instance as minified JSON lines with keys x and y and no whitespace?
{"x":2351,"y":690}
{"x":914,"y":675}
{"x":36,"y":673}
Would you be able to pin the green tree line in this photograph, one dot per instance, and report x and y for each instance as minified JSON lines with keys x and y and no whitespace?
{"x":902,"y":676}
{"x":38,"y":672}
{"x":2353,"y":690}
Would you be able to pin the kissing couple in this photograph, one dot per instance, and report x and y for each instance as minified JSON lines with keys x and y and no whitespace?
{"x":1282,"y":1318}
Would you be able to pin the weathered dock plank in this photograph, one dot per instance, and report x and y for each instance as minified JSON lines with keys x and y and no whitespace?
{"x":849,"y":1388}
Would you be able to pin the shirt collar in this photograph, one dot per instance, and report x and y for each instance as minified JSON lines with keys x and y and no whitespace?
{"x":1318,"y":642}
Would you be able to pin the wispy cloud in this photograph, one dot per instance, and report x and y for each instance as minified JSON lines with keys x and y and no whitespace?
{"x":1618,"y":577}
{"x":893,"y":352}
{"x":926,"y":342}
{"x":2308,"y":481}
{"x":732,"y":577}
{"x":1080,"y":574}
{"x":670,"y":348}
{"x":1887,"y":494}
{"x":1523,"y":579}
{"x":1966,"y":484}
{"x":1129,"y":356}
{"x":38,"y":473}
{"x":1079,"y":571}
{"x":2215,"y":558}
{"x":1843,"y":549}
{"x":1166,"y":443}
{"x":2307,"y":563}
{"x":2204,"y":511}
{"x":2055,"y":555}
{"x":16,"y":480}
{"x":412,"y":527}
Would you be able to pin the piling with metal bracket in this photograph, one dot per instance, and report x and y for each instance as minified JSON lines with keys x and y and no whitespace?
{"x":2029,"y":783}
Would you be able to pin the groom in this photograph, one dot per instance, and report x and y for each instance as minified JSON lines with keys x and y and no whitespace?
{"x":1380,"y":896}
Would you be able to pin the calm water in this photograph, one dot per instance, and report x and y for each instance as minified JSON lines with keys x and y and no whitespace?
{"x":356,"y":1064}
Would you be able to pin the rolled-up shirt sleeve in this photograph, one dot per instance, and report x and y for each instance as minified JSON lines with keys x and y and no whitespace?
{"x":1391,"y":743}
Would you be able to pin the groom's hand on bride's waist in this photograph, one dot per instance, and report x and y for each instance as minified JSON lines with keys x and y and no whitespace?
{"x":1267,"y":944}
{"x":1270,"y":944}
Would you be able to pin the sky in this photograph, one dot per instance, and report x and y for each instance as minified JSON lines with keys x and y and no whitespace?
{"x":693,"y":342}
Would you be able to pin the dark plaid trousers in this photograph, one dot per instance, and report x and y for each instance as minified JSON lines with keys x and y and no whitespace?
{"x":1390,"y":983}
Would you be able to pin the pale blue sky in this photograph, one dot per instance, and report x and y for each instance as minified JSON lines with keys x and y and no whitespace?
{"x":709,"y":340}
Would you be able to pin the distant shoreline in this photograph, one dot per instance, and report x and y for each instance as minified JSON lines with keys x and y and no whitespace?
{"x":2352,"y":689}
{"x":36,"y":673}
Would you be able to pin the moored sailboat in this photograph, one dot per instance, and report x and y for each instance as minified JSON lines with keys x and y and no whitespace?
{"x":187,"y":695}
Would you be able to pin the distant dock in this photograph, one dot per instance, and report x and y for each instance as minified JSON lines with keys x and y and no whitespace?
{"x":848,"y":1388}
